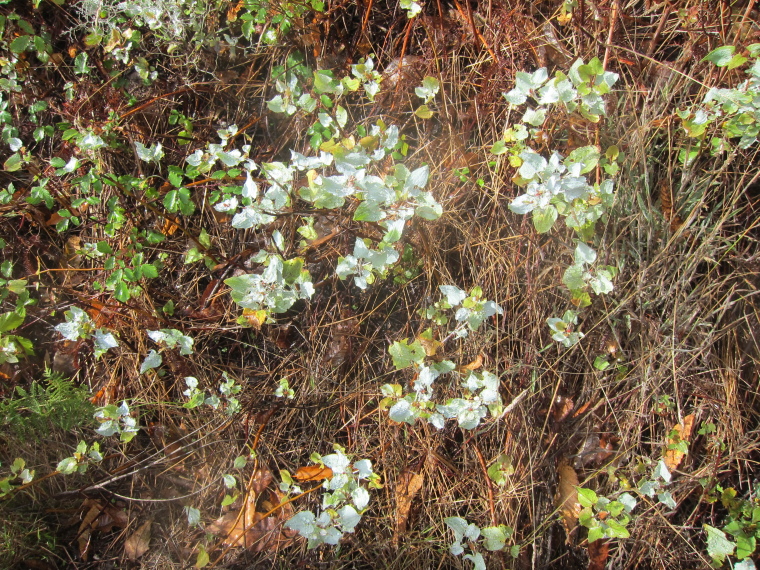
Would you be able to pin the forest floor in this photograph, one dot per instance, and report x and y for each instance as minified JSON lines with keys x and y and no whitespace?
{"x":656,"y":404}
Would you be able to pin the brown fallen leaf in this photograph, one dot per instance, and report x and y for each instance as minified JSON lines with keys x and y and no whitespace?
{"x":566,"y":499}
{"x":606,"y":448}
{"x":474,"y":365}
{"x":680,"y":432}
{"x":562,"y":408}
{"x":598,"y":552}
{"x":138,"y":542}
{"x":313,"y":473}
{"x":409,"y":484}
{"x":169,"y":227}
{"x":85,"y":529}
{"x":99,"y":516}
{"x":260,"y":481}
{"x":252,"y":529}
{"x":340,"y":346}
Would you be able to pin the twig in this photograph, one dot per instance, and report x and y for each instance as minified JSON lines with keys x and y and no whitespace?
{"x":613,"y":21}
{"x":469,"y":17}
{"x":491,"y":507}
{"x":745,"y":17}
{"x":149,"y":102}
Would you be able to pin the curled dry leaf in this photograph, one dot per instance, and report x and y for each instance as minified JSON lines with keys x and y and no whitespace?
{"x":339,"y":348}
{"x":596,"y":449}
{"x":430,"y":345}
{"x":562,"y":408}
{"x":138,"y":542}
{"x":232,"y":12}
{"x":169,"y":228}
{"x":260,"y":481}
{"x":282,"y":336}
{"x":474,"y":365}
{"x":313,"y":473}
{"x":566,"y":499}
{"x":674,"y":455}
{"x":409,"y":484}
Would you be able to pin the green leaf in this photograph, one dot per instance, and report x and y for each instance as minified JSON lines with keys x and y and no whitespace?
{"x":68,"y":466}
{"x":17,"y":286}
{"x":500,"y":470}
{"x":720,"y":56}
{"x":171,"y":201}
{"x":423,"y":112}
{"x":736,"y":61}
{"x":499,"y":147}
{"x":10,"y":320}
{"x":121,"y":292}
{"x":745,"y":546}
{"x":13,"y":163}
{"x":291,"y":269}
{"x":193,"y":255}
{"x":149,"y":154}
{"x":601,"y":363}
{"x":186,"y":204}
{"x":341,"y":116}
{"x":595,"y":533}
{"x":496,"y":537}
{"x":534,"y":117}
{"x":544,"y":218}
{"x":324,"y":82}
{"x":587,"y":497}
{"x":153,"y":360}
{"x":20,"y":44}
{"x":149,"y":271}
{"x":588,"y":156}
{"x":615,"y":529}
{"x":718,"y":546}
{"x":193,"y":515}
{"x":80,"y":63}
{"x":368,"y":212}
{"x":405,"y":354}
{"x":573,"y":278}
{"x":176,"y":175}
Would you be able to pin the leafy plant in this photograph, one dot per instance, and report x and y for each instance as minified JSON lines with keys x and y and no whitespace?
{"x":84,"y":455}
{"x":227,"y":390}
{"x":494,"y":538}
{"x":344,"y":500}
{"x":53,"y":403}
{"x":742,"y":524}
{"x":18,"y":472}
{"x":117,"y":420}
{"x":603,"y":517}
{"x":481,"y":390}
{"x":79,"y":325}
{"x":557,"y":186}
{"x":734,"y":112}
{"x":12,"y":346}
